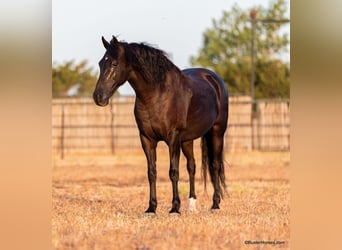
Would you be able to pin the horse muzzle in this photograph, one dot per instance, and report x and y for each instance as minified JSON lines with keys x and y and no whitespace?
{"x":101,"y":99}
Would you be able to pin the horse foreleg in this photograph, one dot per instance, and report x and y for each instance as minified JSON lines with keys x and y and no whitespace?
{"x":187,"y":148}
{"x":150,"y":152}
{"x":174,"y":151}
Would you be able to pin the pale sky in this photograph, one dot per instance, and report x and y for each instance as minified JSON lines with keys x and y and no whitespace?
{"x":175,"y":26}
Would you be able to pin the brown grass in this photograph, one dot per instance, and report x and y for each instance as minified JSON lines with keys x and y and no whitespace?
{"x":99,"y":203}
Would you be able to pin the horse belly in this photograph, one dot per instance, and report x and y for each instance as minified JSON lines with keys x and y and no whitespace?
{"x":199,"y":121}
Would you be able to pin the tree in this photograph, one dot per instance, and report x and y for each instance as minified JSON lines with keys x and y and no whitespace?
{"x":227,"y":50}
{"x":67,"y":75}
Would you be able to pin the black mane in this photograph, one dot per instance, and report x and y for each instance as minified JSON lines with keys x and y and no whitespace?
{"x":150,"y":62}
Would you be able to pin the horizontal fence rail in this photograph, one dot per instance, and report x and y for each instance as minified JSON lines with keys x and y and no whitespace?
{"x":81,"y":127}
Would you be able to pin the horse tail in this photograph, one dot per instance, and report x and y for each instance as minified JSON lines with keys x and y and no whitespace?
{"x":207,"y":163}
{"x":222,"y":179}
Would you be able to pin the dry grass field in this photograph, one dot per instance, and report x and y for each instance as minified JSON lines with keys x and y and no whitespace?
{"x":99,"y":203}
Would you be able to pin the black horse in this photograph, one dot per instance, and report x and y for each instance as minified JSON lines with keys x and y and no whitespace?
{"x":173,"y":106}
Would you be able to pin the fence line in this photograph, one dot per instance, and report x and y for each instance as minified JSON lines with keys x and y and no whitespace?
{"x":81,"y":127}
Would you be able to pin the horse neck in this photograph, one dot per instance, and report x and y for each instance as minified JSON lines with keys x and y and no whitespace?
{"x":146,"y":90}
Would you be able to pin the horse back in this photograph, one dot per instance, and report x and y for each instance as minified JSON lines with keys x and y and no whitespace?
{"x":200,"y":75}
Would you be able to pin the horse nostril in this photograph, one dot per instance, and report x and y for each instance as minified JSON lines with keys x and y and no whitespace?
{"x":96,"y":96}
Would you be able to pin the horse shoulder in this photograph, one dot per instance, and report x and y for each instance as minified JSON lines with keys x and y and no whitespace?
{"x":142,"y":117}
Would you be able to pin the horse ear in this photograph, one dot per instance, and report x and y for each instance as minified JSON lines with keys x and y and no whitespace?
{"x":105,"y":43}
{"x":114,"y":40}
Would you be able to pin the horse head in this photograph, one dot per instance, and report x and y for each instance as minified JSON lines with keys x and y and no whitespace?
{"x":113,"y":71}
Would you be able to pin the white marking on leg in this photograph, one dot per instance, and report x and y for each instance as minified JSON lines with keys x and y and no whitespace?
{"x":192,"y":205}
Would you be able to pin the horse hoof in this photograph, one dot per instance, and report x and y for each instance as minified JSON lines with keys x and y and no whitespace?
{"x":150,"y":214}
{"x":215,"y":210}
{"x":174,"y":211}
{"x":215,"y":206}
{"x":192,"y":205}
{"x":151,"y":210}
{"x":174,"y":214}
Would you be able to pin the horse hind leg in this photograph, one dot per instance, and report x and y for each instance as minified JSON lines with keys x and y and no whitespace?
{"x":187,"y":149}
{"x":214,"y":144}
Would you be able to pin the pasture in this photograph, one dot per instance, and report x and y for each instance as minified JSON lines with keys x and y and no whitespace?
{"x":99,"y":203}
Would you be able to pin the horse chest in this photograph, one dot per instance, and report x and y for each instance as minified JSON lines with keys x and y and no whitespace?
{"x":156,"y":122}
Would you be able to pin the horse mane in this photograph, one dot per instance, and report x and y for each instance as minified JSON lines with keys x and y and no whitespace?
{"x":151,"y":63}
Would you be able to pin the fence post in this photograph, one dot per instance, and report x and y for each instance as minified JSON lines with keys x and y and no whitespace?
{"x":253,"y":118}
{"x":62,"y":131}
{"x":257,"y":125}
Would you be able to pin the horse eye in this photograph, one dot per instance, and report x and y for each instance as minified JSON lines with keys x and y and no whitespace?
{"x":114,"y":64}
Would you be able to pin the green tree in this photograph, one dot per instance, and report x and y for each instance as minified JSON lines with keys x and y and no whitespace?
{"x":227,"y":50}
{"x":68,"y":75}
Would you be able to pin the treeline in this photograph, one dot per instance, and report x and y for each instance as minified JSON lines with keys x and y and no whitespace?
{"x":226,"y":49}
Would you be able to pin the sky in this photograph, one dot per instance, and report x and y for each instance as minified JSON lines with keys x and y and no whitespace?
{"x":175,"y":26}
